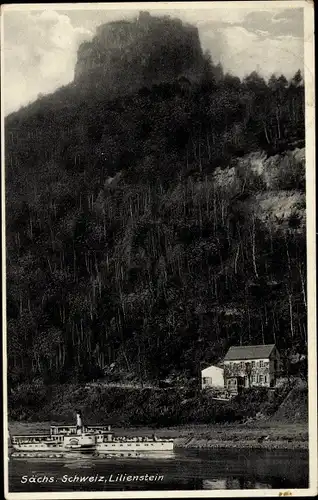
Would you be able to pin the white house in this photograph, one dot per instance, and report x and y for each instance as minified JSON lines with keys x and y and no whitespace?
{"x":212,"y":376}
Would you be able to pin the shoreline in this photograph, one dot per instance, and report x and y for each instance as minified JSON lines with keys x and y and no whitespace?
{"x":203,"y":444}
{"x":265,"y":435}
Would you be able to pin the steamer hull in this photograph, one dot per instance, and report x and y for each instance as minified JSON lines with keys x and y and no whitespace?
{"x":147,"y":447}
{"x":108,"y":447}
{"x":37,"y":447}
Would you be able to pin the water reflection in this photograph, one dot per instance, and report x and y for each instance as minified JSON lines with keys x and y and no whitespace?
{"x":233,"y":484}
{"x":195,"y":470}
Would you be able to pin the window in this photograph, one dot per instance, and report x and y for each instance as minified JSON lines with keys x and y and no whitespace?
{"x":261,"y":364}
{"x":265,"y":379}
{"x":253,"y":378}
{"x":260,"y":379}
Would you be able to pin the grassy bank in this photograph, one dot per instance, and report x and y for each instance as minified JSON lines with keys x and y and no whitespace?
{"x":266,"y":435}
{"x":131,"y":407}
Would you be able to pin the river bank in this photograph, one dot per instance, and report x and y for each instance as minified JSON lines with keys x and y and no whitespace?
{"x":259,"y":435}
{"x":259,"y":443}
{"x":160,"y":409}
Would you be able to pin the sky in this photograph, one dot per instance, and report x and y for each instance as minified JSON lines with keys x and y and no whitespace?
{"x":40,"y":46}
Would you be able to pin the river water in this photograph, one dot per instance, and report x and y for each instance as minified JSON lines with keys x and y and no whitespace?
{"x":185,"y":470}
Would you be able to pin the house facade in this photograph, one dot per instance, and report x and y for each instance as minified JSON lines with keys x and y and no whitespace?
{"x":212,"y":377}
{"x":251,"y":366}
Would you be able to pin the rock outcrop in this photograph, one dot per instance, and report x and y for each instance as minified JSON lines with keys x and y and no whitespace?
{"x":271,"y":188}
{"x":127,"y":55}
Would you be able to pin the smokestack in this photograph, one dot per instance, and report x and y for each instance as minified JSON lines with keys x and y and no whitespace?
{"x":79,"y":422}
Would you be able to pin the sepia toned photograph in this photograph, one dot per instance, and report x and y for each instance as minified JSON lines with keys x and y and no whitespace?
{"x":158,"y":236}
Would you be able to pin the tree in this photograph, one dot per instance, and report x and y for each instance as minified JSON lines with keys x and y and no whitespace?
{"x":297,"y":79}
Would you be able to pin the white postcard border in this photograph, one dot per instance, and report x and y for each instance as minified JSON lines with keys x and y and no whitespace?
{"x":311,"y":250}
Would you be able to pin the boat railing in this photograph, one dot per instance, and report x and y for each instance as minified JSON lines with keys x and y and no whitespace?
{"x":29,"y":438}
{"x":98,"y":429}
{"x":72,"y":429}
{"x":63,"y":429}
{"x":141,"y":439}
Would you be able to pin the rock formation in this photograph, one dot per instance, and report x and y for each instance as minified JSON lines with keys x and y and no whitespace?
{"x":148,"y":50}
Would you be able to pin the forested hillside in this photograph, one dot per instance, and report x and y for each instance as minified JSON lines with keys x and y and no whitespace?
{"x":123,"y":245}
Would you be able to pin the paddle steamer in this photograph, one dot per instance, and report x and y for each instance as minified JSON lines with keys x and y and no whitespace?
{"x":88,"y":439}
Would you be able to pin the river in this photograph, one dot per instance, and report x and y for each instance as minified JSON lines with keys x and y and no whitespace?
{"x":186,"y":470}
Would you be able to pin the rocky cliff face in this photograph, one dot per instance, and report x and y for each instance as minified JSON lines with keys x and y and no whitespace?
{"x":147,"y":50}
{"x":275,"y":187}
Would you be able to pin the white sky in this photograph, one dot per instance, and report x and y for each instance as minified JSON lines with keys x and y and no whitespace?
{"x":40,"y":46}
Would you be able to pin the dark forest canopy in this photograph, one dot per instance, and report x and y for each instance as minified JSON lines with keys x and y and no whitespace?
{"x":120,"y":248}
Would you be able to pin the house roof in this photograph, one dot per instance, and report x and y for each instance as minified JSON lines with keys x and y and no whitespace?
{"x":249,"y":352}
{"x":208,"y":368}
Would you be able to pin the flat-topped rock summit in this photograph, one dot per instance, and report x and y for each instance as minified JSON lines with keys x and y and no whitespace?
{"x":127,"y":55}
